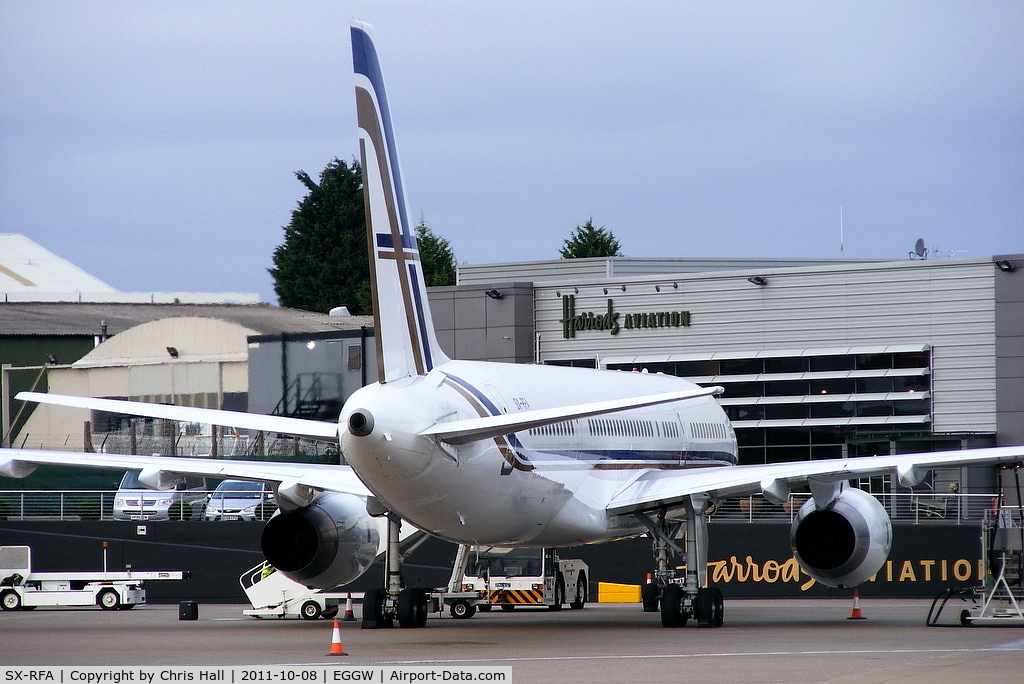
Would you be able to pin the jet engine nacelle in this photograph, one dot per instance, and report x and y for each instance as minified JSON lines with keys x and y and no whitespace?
{"x":845,"y":543}
{"x":330,"y":542}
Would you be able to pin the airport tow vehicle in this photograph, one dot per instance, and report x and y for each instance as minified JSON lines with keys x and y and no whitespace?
{"x":511,"y":577}
{"x":21,"y":588}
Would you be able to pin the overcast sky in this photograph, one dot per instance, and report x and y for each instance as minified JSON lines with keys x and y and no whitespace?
{"x":154,"y":144}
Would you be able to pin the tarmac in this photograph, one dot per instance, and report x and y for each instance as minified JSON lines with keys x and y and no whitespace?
{"x":764,"y":640}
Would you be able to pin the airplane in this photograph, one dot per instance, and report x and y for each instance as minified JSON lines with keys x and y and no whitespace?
{"x":484,"y":453}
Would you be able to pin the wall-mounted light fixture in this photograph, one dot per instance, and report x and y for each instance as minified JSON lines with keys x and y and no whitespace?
{"x":760,"y":281}
{"x":173,"y":351}
{"x":1006,"y":266}
{"x":51,"y":359}
{"x":494,"y":294}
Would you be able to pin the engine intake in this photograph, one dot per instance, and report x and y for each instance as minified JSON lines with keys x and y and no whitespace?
{"x":330,"y":542}
{"x":845,"y":543}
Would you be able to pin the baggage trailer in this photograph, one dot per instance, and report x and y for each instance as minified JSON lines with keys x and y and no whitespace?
{"x":21,"y":588}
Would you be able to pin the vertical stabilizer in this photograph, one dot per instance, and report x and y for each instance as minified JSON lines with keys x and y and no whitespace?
{"x":404,"y":334}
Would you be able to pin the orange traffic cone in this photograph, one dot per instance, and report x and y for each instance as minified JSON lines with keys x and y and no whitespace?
{"x":349,"y":616}
{"x":856,"y":614}
{"x":336,"y":648}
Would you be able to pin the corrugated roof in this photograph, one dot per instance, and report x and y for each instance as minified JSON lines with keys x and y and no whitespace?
{"x":84,"y":318}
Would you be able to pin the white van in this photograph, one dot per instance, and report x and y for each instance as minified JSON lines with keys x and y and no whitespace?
{"x":136,"y":502}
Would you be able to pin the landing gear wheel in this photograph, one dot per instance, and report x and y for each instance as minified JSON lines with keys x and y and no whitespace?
{"x":373,"y":610}
{"x":310,"y":610}
{"x":10,"y":600}
{"x":672,"y":612}
{"x":462,"y":609}
{"x":559,"y":595}
{"x":108,"y":600}
{"x":717,"y":608}
{"x":412,"y":608}
{"x":329,"y":612}
{"x":703,"y":607}
{"x":581,"y":593}
{"x":649,"y":597}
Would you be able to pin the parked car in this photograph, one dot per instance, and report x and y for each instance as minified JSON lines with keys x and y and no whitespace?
{"x":136,"y":502}
{"x":240,"y":500}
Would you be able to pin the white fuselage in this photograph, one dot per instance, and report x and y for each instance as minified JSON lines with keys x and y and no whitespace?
{"x":547,"y":486}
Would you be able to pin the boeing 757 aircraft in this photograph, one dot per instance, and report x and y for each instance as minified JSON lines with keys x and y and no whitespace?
{"x":512,"y":455}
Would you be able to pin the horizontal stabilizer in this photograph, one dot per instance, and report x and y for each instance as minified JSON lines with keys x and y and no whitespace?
{"x":247,"y":421}
{"x":465,"y":431}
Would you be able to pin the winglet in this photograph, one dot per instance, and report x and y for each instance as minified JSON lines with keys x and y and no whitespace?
{"x":404,"y":334}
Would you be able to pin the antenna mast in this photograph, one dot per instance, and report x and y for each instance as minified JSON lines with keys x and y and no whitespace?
{"x":840,"y":228}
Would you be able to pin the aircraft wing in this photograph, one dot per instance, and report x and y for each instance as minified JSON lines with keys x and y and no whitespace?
{"x":657,"y":489}
{"x":300,"y":427}
{"x":164,"y":469}
{"x":465,"y":431}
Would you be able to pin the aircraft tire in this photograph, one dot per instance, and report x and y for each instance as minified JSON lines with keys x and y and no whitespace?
{"x":412,"y":608}
{"x":672,"y":613}
{"x":704,"y":607}
{"x":649,"y":597}
{"x":373,"y":610}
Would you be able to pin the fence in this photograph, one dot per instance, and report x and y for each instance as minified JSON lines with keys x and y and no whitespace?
{"x":37,"y":504}
{"x":904,"y":507}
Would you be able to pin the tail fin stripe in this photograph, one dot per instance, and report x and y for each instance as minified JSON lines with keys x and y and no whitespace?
{"x":385,"y":241}
{"x":420,"y":320}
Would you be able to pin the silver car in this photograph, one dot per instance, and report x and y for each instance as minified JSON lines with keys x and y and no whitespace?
{"x":240,"y":500}
{"x":136,"y":502}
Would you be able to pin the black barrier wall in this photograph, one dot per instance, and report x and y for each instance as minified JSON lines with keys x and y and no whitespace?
{"x":745,"y":559}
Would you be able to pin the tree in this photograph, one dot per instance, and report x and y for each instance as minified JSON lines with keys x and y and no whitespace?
{"x":588,"y":241}
{"x":322,"y":262}
{"x":436,"y":256}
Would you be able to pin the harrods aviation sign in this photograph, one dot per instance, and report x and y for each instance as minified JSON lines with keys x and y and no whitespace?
{"x":613,"y":321}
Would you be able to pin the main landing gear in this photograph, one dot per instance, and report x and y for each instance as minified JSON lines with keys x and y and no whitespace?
{"x":381,"y":607}
{"x":682,"y":598}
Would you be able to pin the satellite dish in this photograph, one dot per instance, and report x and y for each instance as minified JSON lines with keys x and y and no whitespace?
{"x":920,"y":251}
